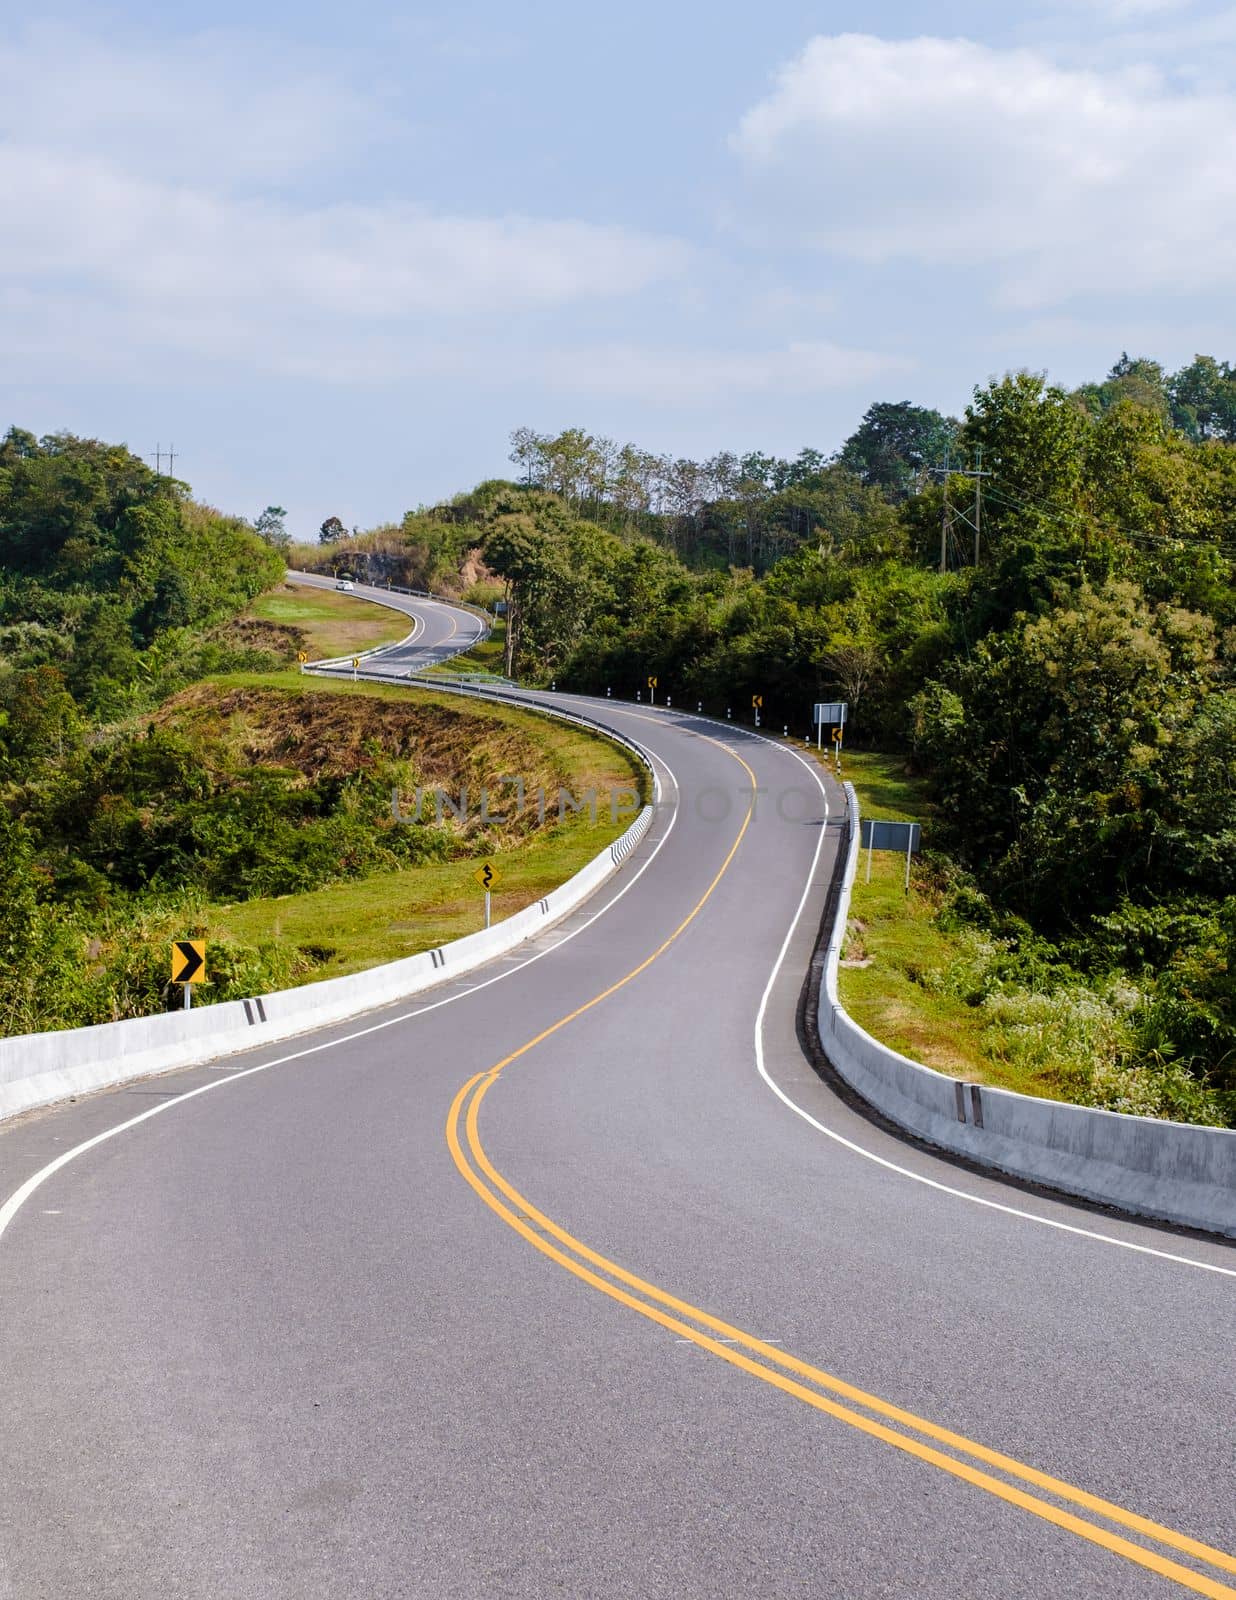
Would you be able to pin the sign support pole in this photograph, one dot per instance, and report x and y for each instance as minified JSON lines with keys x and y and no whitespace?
{"x":870,"y":848}
{"x":487,"y":908}
{"x":188,"y":989}
{"x":908,"y":838}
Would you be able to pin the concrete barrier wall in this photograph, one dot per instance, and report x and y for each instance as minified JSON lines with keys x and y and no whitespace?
{"x":1171,"y":1171}
{"x":37,"y":1069}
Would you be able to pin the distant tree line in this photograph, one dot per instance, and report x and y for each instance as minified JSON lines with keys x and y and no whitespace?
{"x":1071,"y":694}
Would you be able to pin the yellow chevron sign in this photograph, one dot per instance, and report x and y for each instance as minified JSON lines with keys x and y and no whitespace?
{"x":189,"y":961}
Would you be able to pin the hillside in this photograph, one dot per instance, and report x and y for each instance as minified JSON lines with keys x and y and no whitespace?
{"x":158,"y":755}
{"x":1031,"y":607}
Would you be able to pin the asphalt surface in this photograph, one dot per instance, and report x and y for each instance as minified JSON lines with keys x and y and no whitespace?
{"x":438,"y":631}
{"x":310,"y":1334}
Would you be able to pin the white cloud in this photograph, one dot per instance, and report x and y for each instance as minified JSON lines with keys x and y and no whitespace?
{"x":76,"y":218}
{"x":142,"y":199}
{"x":1123,"y":10}
{"x":669,"y":376}
{"x":949,"y":153}
{"x":216,"y":109}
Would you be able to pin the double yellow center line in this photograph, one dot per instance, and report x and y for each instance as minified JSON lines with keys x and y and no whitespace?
{"x":915,"y":1436}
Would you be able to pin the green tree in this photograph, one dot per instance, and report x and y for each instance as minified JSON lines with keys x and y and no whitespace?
{"x":895,"y":445}
{"x":1203,"y":399}
{"x":1032,"y":438}
{"x":1135,"y":380}
{"x":269,"y":525}
{"x":1055,"y":774}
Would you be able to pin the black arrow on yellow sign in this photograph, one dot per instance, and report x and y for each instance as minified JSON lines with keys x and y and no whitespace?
{"x":189,"y":961}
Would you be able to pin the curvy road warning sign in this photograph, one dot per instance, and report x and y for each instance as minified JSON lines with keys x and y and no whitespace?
{"x":487,"y":875}
{"x":189,"y":961}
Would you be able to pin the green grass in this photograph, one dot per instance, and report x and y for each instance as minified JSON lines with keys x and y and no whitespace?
{"x":928,"y":993}
{"x":487,"y":656}
{"x":332,"y":623}
{"x":361,"y":924}
{"x":895,"y":995}
{"x":351,"y":925}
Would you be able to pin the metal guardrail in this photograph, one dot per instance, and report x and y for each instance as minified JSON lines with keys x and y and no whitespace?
{"x":379,"y":649}
{"x":478,"y":679}
{"x":445,"y":599}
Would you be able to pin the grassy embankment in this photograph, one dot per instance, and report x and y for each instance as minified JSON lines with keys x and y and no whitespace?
{"x":896,"y":936}
{"x":961,"y":1000}
{"x":320,"y":725}
{"x":925,"y":990}
{"x":329,"y":622}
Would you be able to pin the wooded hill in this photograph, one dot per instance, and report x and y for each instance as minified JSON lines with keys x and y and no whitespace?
{"x":1064,"y":673}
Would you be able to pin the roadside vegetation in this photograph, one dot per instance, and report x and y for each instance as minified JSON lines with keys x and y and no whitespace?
{"x":938,"y":975}
{"x":166,"y":771}
{"x":259,"y":811}
{"x":1061,"y":685}
{"x":326,"y":623}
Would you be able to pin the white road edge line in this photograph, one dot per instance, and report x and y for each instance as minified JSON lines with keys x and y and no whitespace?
{"x":892,"y":1166}
{"x":18,"y":1198}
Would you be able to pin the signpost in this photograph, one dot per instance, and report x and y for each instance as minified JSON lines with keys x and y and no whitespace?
{"x":832,"y":712}
{"x":487,"y":876}
{"x":189,"y":965}
{"x":879,"y":835}
{"x":355,"y":664}
{"x":757,"y":700}
{"x":302,"y":656}
{"x":652,"y":691}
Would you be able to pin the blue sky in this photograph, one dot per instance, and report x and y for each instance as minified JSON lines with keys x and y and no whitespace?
{"x":337,"y":253}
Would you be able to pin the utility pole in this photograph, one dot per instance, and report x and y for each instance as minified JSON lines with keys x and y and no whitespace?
{"x":978,"y":475}
{"x":945,"y":519}
{"x":158,"y":461}
{"x":951,"y":515}
{"x":171,"y":461}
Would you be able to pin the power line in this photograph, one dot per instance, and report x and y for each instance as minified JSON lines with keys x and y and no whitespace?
{"x":953,"y":516}
{"x":170,"y":453}
{"x":1085,"y":523}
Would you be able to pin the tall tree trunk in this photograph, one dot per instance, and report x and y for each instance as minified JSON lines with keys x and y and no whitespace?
{"x":512,"y":626}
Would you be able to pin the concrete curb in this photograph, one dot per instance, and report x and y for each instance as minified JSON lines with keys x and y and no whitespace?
{"x":37,"y":1069}
{"x":1171,"y":1171}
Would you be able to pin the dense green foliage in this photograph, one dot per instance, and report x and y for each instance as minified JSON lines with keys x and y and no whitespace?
{"x":1070,"y":694}
{"x":110,"y":574}
{"x":1052,"y":644}
{"x":115,"y":588}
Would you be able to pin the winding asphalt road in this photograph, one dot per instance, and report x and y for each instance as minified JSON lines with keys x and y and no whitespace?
{"x":573,"y":1279}
{"x":438,"y":631}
